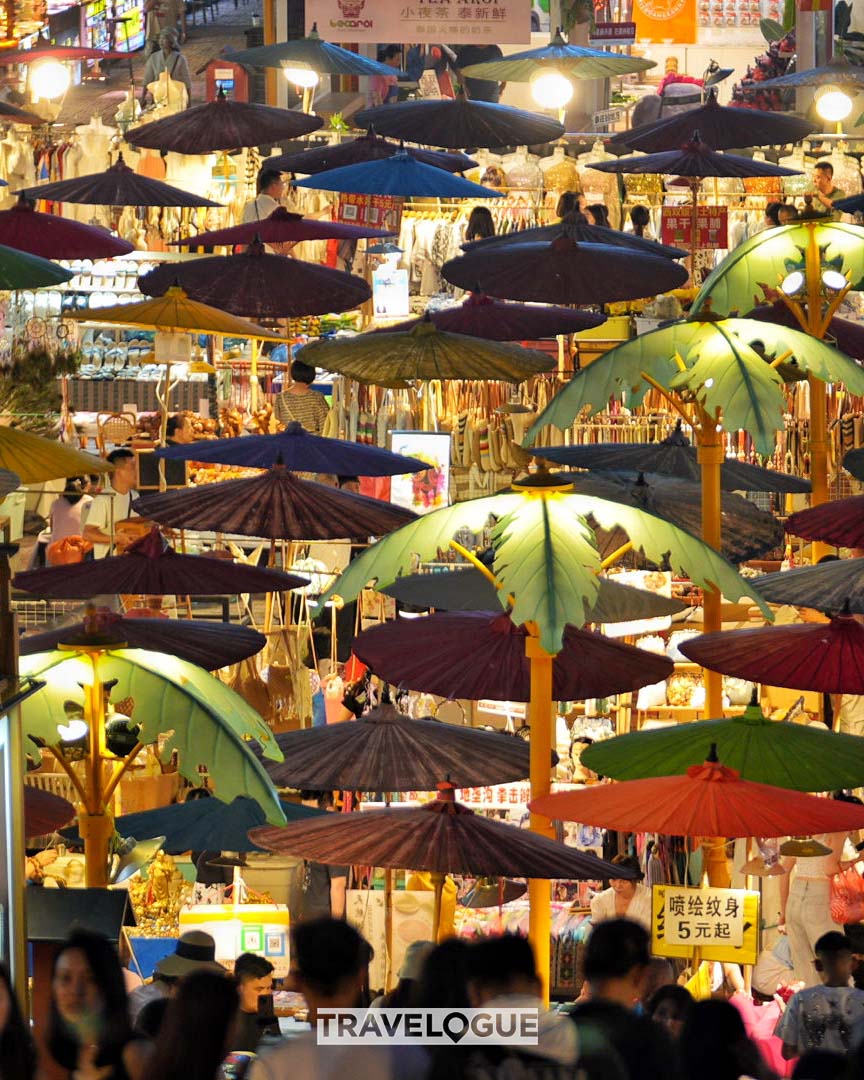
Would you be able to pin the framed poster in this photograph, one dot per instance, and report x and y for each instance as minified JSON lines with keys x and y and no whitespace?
{"x":425,"y":491}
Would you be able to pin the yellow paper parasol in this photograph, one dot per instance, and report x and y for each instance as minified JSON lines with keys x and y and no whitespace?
{"x":36,"y":459}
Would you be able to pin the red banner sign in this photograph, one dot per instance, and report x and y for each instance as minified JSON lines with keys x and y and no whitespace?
{"x":374,"y":211}
{"x":712,"y":228}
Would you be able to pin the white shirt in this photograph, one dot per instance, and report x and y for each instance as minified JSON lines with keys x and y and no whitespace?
{"x":101,"y":514}
{"x":303,"y":1059}
{"x":259,"y":208}
{"x":822,"y":1018}
{"x":638,"y":910}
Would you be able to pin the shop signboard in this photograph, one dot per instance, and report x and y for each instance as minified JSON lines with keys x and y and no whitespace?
{"x":613,"y":33}
{"x":722,"y":924}
{"x":712,"y":227}
{"x":255,"y":928}
{"x":458,"y":22}
{"x":373,"y":211}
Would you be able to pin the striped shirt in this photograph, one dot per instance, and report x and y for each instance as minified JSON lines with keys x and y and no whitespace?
{"x":309,"y":410}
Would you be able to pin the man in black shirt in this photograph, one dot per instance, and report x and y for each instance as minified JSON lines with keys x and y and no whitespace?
{"x":254,"y":975}
{"x":479,"y":89}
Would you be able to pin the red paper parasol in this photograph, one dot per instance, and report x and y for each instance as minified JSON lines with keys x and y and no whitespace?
{"x":840,"y":522}
{"x":223,"y":125}
{"x":151,"y":568}
{"x":481,"y":654}
{"x":260,"y":285}
{"x":828,"y":657}
{"x":481,"y":316}
{"x":281,"y":227}
{"x":368,"y":147}
{"x":210,"y":645}
{"x":53,"y":237}
{"x":46,"y":51}
{"x":443,"y":836}
{"x":710,"y":800}
{"x":564,"y":272}
{"x":274,"y":506}
{"x":386,"y":751}
{"x":45,"y":812}
{"x":118,"y":185}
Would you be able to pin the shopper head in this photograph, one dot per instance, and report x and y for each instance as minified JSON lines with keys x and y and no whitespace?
{"x":329,"y":964}
{"x":823,"y":176}
{"x":569,"y":202}
{"x":391,"y":55}
{"x":501,"y":965}
{"x":787,"y":212}
{"x":639,"y":219}
{"x":124,"y":474}
{"x":302,"y":373}
{"x":493,"y":177}
{"x":88,"y":1002}
{"x":196,"y":1033}
{"x":443,"y":981}
{"x":616,"y":958}
{"x":270,"y":182}
{"x":597,"y":214}
{"x":834,"y":958}
{"x":626,"y":886}
{"x":179,"y":429}
{"x":669,"y":1007}
{"x":17,"y":1053}
{"x":658,"y":973}
{"x":480,"y":224}
{"x":349,"y":483}
{"x":254,"y":977}
{"x":714,"y":1044}
{"x":169,"y":42}
{"x":75,"y":488}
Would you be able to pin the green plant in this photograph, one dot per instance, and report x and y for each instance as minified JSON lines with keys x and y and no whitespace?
{"x":29,"y":392}
{"x":338,"y":122}
{"x":576,"y":13}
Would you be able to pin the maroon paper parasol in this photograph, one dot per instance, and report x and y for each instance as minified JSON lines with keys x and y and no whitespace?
{"x":840,"y":522}
{"x":828,"y":657}
{"x":444,"y":836}
{"x":846,"y":334}
{"x":694,"y":160}
{"x":281,"y":227}
{"x":481,"y":316}
{"x":223,"y":125}
{"x":368,"y":147}
{"x":118,"y":185}
{"x":151,"y":568}
{"x":18,"y":116}
{"x":45,"y":812}
{"x":564,"y":272}
{"x":711,"y":800}
{"x":53,"y":237}
{"x":481,"y":654}
{"x":274,"y":506}
{"x":386,"y":751}
{"x":210,"y":645}
{"x":260,"y":285}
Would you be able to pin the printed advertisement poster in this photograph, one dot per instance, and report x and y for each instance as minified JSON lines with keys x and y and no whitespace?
{"x":672,"y":22}
{"x":426,"y":491}
{"x":723,"y":924}
{"x":458,"y":22}
{"x":712,"y":229}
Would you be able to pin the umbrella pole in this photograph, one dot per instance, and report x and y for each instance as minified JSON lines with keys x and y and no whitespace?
{"x":694,"y":215}
{"x":388,"y":930}
{"x":540,"y":724}
{"x":711,"y":456}
{"x":438,"y":885}
{"x":818,"y":395}
{"x":94,"y":823}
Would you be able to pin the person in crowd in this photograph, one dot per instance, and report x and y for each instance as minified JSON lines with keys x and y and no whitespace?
{"x":270,"y":188}
{"x":254,"y":975}
{"x":714,"y":1045}
{"x":481,"y":224}
{"x":300,"y":403}
{"x":570,"y":202}
{"x":823,"y":1017}
{"x":788,"y":212}
{"x":493,"y":177}
{"x":625,"y":897}
{"x":479,"y":89}
{"x":658,"y":973}
{"x":198,"y":1030}
{"x":179,"y":430}
{"x":805,"y":893}
{"x":670,"y":1007}
{"x":148,"y":1022}
{"x":88,"y":1027}
{"x":612,"y":1036}
{"x":324,"y":886}
{"x":195,"y":951}
{"x":17,"y":1052}
{"x":384,"y":89}
{"x":329,"y":967}
{"x":597,"y":214}
{"x":640,"y":221}
{"x":772,"y":215}
{"x":350,"y":484}
{"x":403,"y":992}
{"x":820,"y":1065}
{"x":825,"y":193}
{"x":443,"y":979}
{"x":502,"y":974}
{"x":162,"y":15}
{"x":210,"y":879}
{"x":112,"y":504}
{"x":70,"y":507}
{"x":167,"y":58}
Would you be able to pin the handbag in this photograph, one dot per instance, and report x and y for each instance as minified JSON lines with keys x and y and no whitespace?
{"x":847,"y":897}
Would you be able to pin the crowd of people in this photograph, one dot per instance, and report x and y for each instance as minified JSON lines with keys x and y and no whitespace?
{"x":198,"y":1021}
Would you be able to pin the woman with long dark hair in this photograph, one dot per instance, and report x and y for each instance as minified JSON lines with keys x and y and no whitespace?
{"x":17,"y":1053}
{"x":88,"y":1028}
{"x":195,"y":1035}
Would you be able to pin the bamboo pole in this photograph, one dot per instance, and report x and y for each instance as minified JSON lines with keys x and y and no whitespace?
{"x":540,"y":723}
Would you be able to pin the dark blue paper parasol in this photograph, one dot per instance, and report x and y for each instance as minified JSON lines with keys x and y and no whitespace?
{"x":400,"y":175}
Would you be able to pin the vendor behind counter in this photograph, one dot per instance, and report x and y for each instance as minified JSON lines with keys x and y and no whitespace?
{"x":179,"y":433}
